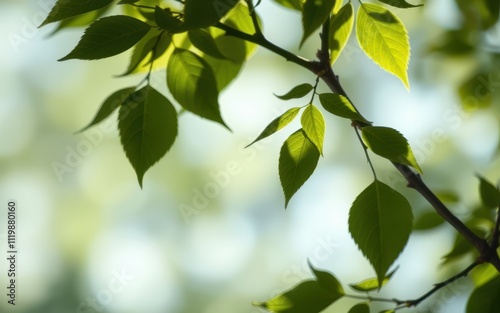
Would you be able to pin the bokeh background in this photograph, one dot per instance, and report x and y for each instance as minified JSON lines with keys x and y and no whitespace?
{"x":208,"y":232}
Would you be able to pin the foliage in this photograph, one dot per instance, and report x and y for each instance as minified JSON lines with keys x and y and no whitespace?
{"x":204,"y":45}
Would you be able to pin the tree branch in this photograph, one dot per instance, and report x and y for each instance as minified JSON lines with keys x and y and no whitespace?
{"x":263,"y":42}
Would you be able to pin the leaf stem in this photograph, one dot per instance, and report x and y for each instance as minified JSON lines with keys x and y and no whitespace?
{"x":365,"y":149}
{"x":255,"y":20}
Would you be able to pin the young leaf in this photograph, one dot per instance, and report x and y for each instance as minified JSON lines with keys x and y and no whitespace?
{"x":340,"y":106}
{"x":107,"y":37}
{"x":360,"y":308}
{"x":371,"y":284}
{"x":390,"y":144}
{"x":400,"y":4}
{"x":148,"y":128}
{"x":490,"y":195}
{"x":225,"y":71}
{"x":340,"y":30}
{"x":485,"y":298}
{"x":297,"y":92}
{"x":202,"y":40}
{"x":313,"y":124}
{"x":314,"y":14}
{"x":298,"y":160}
{"x":81,"y":20}
{"x":192,"y":83}
{"x":64,"y":9}
{"x":383,"y":37}
{"x":312,"y":296}
{"x":277,"y":124}
{"x":380,"y":222}
{"x":109,"y":106}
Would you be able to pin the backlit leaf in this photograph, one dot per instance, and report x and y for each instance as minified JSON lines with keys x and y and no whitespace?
{"x":155,"y":40}
{"x":384,"y":38}
{"x":107,"y":37}
{"x":297,"y":92}
{"x":314,"y":14}
{"x":340,"y":30}
{"x":313,"y":124}
{"x":192,"y":83}
{"x":311,"y":296}
{"x":110,"y":105}
{"x":402,"y":4}
{"x":340,"y":106}
{"x":485,"y":298}
{"x":69,"y":8}
{"x":390,"y":144}
{"x":292,"y":4}
{"x":297,"y":161}
{"x":380,"y":222}
{"x":277,"y":124}
{"x":148,"y":128}
{"x":371,"y":283}
{"x":204,"y":42}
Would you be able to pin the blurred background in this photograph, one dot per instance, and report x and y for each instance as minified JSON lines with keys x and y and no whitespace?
{"x":208,"y":232}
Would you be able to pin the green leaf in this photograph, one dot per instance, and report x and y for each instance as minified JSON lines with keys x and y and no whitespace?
{"x":148,"y":128}
{"x":165,"y":20}
{"x":371,"y":284}
{"x":340,"y":30}
{"x":460,"y":248}
{"x":297,"y":92}
{"x":428,"y":220}
{"x":313,"y":124}
{"x":380,"y":222}
{"x":145,"y":47}
{"x":109,"y":106}
{"x":64,"y":9}
{"x":476,"y":91}
{"x":314,"y":14}
{"x":490,"y":195}
{"x":388,"y":311}
{"x":128,"y":1}
{"x":447,"y":196}
{"x":311,"y":296}
{"x":328,"y":282}
{"x":204,"y":13}
{"x":297,"y":161}
{"x":360,"y":308}
{"x":204,"y":42}
{"x":383,"y":37}
{"x":192,"y":83}
{"x":292,"y":4}
{"x":277,"y":124}
{"x":225,"y":71}
{"x":308,"y":297}
{"x":81,"y":20}
{"x":231,"y":47}
{"x":390,"y":144}
{"x":486,"y":298}
{"x":107,"y":37}
{"x":340,"y":106}
{"x":400,"y":4}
